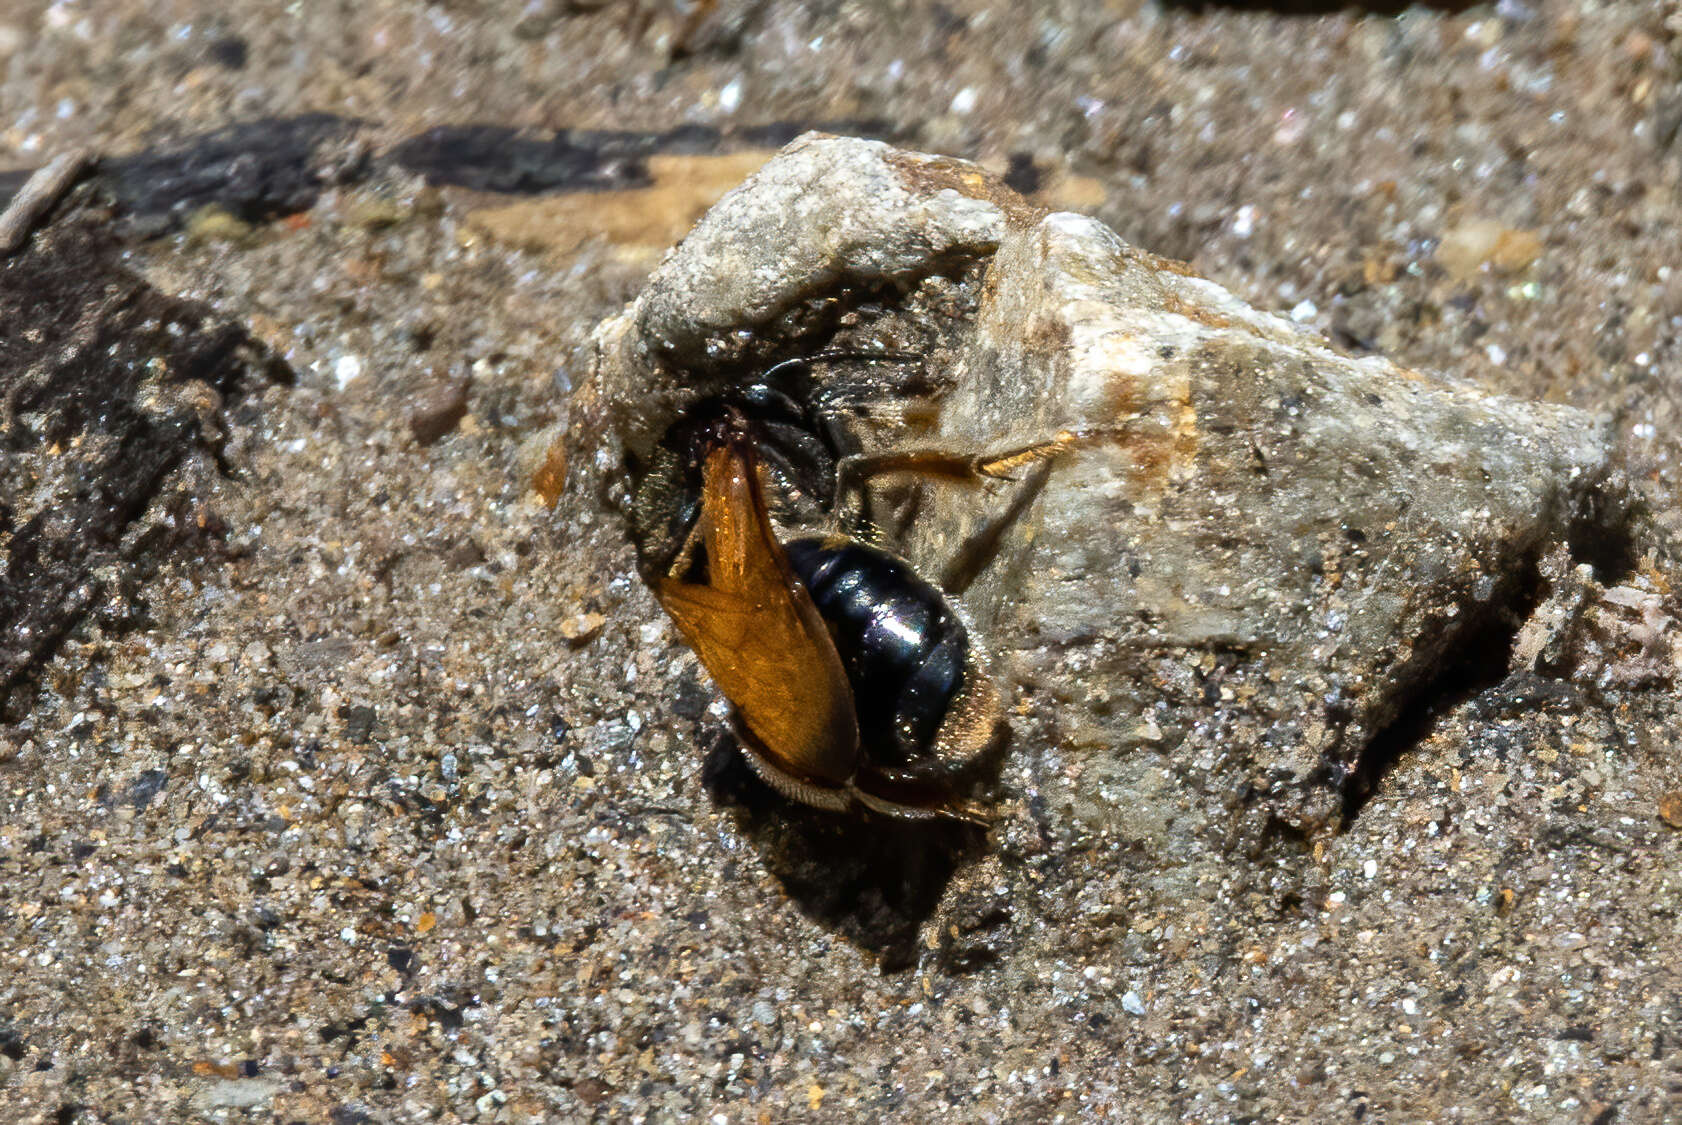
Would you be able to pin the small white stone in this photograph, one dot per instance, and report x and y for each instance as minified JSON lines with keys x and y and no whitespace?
{"x":346,"y":368}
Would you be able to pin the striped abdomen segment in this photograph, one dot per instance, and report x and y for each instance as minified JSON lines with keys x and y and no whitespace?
{"x":903,"y":648}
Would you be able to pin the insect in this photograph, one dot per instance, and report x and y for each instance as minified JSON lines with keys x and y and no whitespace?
{"x":854,"y":681}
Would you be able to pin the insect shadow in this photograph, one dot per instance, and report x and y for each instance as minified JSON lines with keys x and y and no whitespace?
{"x":872,"y":879}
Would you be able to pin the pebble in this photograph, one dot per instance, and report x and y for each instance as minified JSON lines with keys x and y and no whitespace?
{"x":236,"y":1093}
{"x":581,"y":627}
{"x":438,"y":409}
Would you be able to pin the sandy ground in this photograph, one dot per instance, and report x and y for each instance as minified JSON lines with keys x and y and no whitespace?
{"x":379,"y":797}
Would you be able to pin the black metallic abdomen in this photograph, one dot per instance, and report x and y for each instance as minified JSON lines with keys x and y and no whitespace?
{"x":903,"y":647}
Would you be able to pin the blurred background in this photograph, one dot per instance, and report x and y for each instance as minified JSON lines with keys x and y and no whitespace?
{"x":1483,"y":189}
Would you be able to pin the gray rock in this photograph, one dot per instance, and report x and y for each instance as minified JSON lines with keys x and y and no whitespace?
{"x":828,"y":213}
{"x":827,"y":223}
{"x":1328,"y":531}
{"x":1262,"y":551}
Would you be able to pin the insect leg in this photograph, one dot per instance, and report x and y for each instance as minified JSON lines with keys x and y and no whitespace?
{"x":852,"y":473}
{"x":778,"y":370}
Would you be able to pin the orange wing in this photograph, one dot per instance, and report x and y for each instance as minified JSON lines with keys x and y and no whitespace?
{"x":758,"y":634}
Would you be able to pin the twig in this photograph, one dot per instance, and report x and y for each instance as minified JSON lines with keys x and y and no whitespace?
{"x":38,"y":195}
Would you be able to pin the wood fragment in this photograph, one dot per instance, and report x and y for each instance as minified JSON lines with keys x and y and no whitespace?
{"x":38,"y":196}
